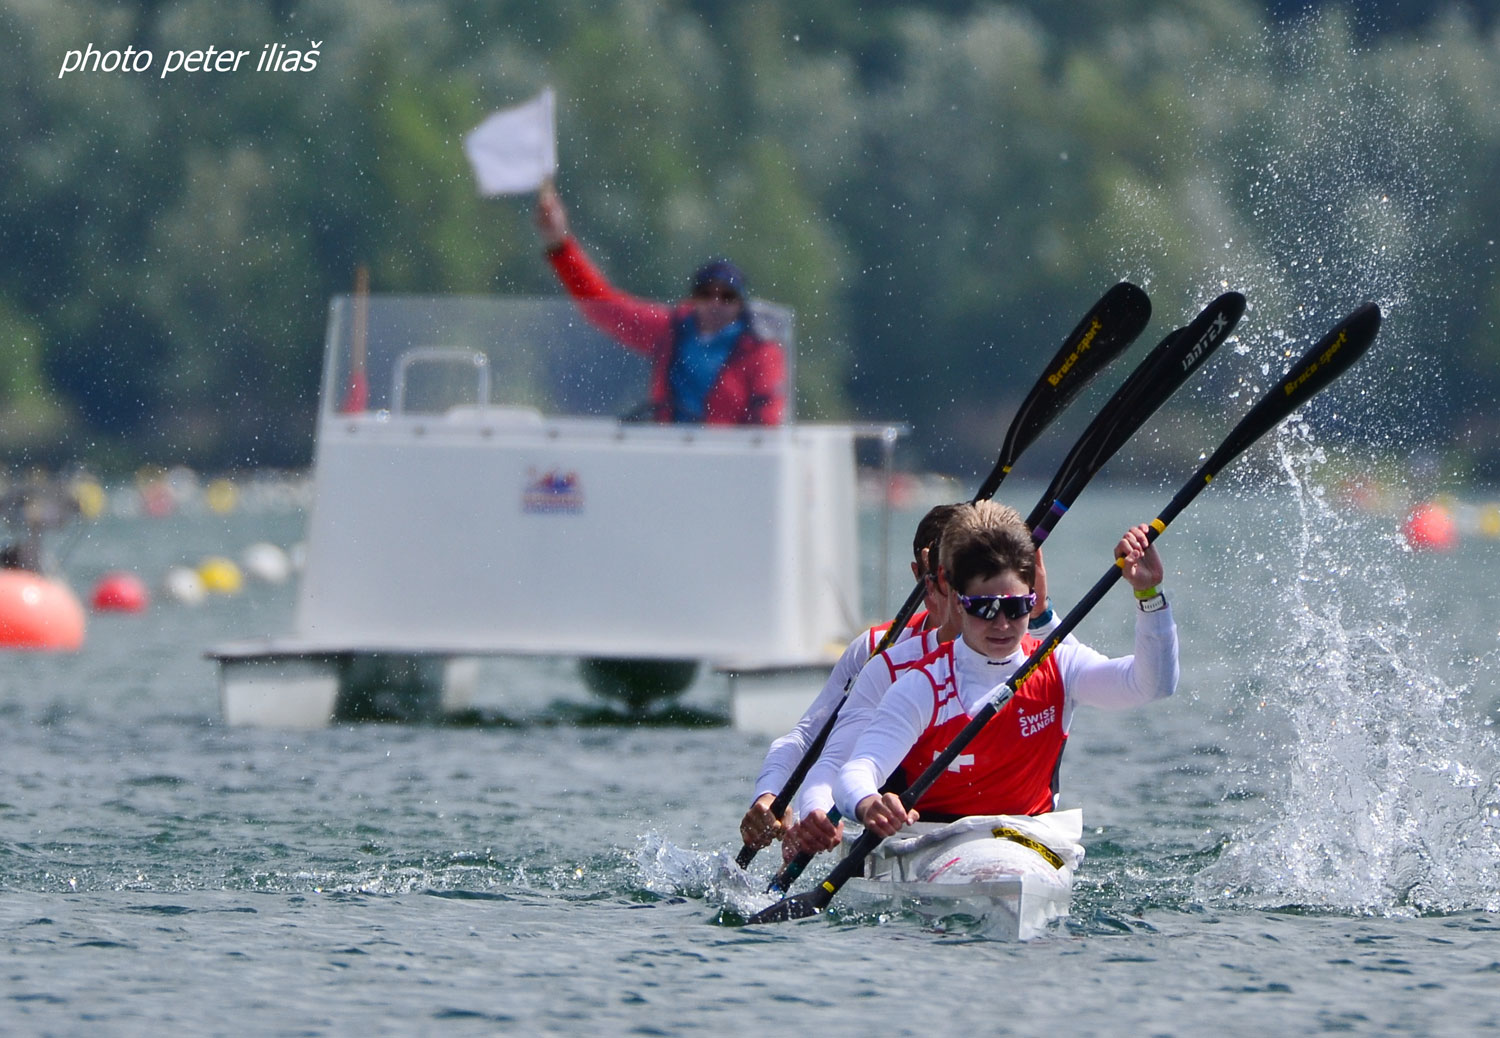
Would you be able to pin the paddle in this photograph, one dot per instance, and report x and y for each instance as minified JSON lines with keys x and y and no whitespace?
{"x":1319,"y":366}
{"x":1154,"y":380}
{"x":1111,"y":325}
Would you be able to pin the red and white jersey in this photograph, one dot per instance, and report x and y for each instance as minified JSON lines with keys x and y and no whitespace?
{"x":864,"y":699}
{"x":908,"y":709}
{"x":1010,"y":767}
{"x":788,"y":750}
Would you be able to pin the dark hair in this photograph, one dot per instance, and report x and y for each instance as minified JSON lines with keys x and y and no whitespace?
{"x":930,"y":533}
{"x":983,"y":540}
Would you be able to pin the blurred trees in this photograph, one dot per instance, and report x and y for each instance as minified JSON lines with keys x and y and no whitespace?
{"x":940,"y":189}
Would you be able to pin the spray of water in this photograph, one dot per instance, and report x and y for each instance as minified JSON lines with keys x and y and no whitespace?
{"x":1393,"y":779}
{"x":1338,"y":188}
{"x":667,"y":869}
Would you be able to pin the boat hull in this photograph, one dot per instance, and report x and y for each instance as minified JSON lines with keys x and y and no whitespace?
{"x":986,"y":869}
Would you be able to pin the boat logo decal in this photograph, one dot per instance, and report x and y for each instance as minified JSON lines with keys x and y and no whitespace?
{"x":552,"y":492}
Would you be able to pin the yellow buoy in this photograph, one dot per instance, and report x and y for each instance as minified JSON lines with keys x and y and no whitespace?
{"x":90,"y":497}
{"x":221,"y":496}
{"x":220,"y":576}
{"x":1489,"y":521}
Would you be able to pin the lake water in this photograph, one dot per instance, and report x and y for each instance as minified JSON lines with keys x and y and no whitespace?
{"x":1306,"y":838}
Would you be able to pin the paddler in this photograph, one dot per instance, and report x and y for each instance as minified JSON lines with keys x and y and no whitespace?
{"x":813,"y":831}
{"x":708,"y":361}
{"x":759,"y":826}
{"x":988,"y":561}
{"x":925,"y":631}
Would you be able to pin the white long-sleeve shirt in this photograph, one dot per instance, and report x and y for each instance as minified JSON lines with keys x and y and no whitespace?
{"x":787,"y":751}
{"x":1088,"y":676}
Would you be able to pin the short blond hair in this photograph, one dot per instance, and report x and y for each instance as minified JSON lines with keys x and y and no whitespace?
{"x":984,"y":539}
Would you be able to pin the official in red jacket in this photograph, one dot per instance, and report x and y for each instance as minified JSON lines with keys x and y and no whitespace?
{"x":708,"y":364}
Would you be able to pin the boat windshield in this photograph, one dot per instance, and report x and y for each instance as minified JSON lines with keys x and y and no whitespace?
{"x":393,"y":355}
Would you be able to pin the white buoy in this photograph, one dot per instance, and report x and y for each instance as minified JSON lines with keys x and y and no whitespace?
{"x":183,"y":585}
{"x":265,"y":561}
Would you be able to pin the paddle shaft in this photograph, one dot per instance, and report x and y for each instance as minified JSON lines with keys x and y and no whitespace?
{"x":1328,"y":359}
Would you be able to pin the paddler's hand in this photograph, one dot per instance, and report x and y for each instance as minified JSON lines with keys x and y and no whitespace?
{"x":1143,"y":567}
{"x":759,"y":826}
{"x":811,"y":835}
{"x":884,"y":814}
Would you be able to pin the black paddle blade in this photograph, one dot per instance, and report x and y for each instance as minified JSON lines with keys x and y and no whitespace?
{"x":1329,"y":358}
{"x":1089,"y":443}
{"x":803,"y":906}
{"x":1164,"y":371}
{"x":1116,"y":319}
{"x":1182,"y":353}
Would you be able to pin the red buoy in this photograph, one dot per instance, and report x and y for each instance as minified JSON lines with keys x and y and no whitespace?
{"x":120,"y":592}
{"x":37,"y":613}
{"x":1432,"y":528}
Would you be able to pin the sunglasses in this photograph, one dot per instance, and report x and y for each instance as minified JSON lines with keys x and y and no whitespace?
{"x":722,"y":295}
{"x":987,"y":607}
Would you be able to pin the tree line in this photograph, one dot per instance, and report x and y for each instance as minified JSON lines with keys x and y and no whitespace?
{"x":939,"y":189}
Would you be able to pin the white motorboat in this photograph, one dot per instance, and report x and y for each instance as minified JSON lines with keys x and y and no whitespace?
{"x":1008,"y":876}
{"x":476,"y":495}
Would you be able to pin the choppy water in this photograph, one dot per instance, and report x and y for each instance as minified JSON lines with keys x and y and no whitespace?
{"x":1304,"y":838}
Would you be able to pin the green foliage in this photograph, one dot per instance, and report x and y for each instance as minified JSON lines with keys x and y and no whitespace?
{"x":938,"y":188}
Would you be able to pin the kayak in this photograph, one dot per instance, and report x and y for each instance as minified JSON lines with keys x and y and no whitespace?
{"x":1010,"y":874}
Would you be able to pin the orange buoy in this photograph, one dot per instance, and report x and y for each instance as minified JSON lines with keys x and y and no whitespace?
{"x":1431,"y":527}
{"x":119,"y":592}
{"x":37,"y":613}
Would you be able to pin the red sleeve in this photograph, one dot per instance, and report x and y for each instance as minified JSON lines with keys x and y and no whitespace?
{"x":637,"y":323}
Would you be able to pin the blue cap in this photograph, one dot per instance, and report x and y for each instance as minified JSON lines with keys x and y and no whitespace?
{"x":721,"y":272}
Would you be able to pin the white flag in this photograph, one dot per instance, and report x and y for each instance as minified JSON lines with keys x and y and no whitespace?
{"x":515,"y":150}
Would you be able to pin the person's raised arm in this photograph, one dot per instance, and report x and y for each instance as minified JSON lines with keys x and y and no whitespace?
{"x":551,"y":217}
{"x":1152,"y":671}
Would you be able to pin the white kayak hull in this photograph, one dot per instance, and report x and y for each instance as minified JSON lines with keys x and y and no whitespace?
{"x":1010,"y":886}
{"x":1015,"y":909}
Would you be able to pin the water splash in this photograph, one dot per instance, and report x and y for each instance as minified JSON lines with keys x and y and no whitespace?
{"x":1339,"y":188}
{"x":1390,"y":796}
{"x":667,"y":869}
